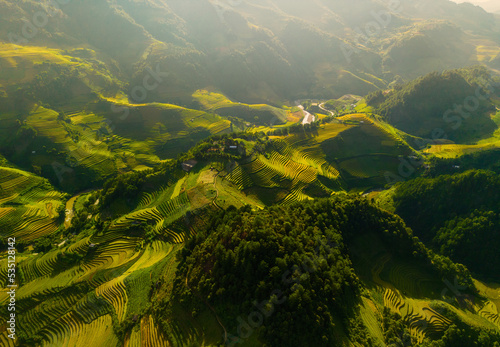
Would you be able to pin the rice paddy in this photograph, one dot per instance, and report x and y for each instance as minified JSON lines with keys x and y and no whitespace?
{"x":29,"y":205}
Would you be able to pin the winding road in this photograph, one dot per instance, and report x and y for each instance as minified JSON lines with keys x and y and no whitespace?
{"x":321,"y":106}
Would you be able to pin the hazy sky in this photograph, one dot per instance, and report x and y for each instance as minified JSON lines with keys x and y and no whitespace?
{"x":488,"y":5}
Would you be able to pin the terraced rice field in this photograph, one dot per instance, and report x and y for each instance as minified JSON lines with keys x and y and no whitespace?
{"x":71,"y":331}
{"x":421,"y":319}
{"x":294,"y":162}
{"x":159,"y":208}
{"x":357,"y":149}
{"x":28,"y":204}
{"x":275,"y":171}
{"x":76,"y":306}
{"x":115,"y":293}
{"x":240,"y":178}
{"x":19,"y":62}
{"x":487,"y":53}
{"x":404,"y":288}
{"x":457,"y":150}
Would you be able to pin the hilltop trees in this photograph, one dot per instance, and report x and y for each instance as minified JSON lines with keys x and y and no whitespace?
{"x":293,"y":264}
{"x":458,"y":224}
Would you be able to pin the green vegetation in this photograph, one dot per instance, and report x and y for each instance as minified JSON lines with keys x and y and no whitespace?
{"x":284,"y":259}
{"x":203,"y":213}
{"x":256,"y":114}
{"x":30,"y":208}
{"x":259,"y":252}
{"x":461,"y":225}
{"x":445,"y":95}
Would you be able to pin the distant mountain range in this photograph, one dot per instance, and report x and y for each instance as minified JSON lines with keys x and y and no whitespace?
{"x":261,"y":51}
{"x":489,"y":5}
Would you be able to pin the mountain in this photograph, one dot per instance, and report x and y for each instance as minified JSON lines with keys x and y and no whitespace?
{"x":458,"y":105}
{"x":264,"y":173}
{"x":488,"y":5}
{"x":282,"y":50}
{"x":100,"y":104}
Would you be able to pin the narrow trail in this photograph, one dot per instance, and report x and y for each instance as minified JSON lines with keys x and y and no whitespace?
{"x":216,"y":191}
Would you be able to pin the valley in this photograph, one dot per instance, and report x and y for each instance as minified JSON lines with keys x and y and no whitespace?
{"x":264,"y":173}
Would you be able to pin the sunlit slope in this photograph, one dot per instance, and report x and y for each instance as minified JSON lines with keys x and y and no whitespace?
{"x":104,"y":284}
{"x":360,"y":148}
{"x":258,"y":114}
{"x":74,"y":150}
{"x":81,"y":291}
{"x":167,"y":129}
{"x":78,"y":305}
{"x":353,"y":153}
{"x":63,"y":115}
{"x":454,"y":150}
{"x":53,"y":76}
{"x":29,"y":206}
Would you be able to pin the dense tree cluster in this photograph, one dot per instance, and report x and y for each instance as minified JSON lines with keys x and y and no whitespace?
{"x":483,"y":160}
{"x":457,"y":215}
{"x":288,"y":261}
{"x":292,"y":266}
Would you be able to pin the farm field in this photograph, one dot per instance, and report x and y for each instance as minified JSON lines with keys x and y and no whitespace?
{"x":291,"y":169}
{"x":456,"y":150}
{"x":109,"y":284}
{"x":29,"y":206}
{"x":121,"y":265}
{"x":487,"y":53}
{"x":86,"y":148}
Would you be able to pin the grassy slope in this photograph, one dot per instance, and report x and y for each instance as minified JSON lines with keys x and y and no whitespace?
{"x":260,"y":114}
{"x":454,"y":150}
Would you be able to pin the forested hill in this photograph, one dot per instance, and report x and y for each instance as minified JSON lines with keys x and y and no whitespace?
{"x":307,"y":266}
{"x":445,"y":213}
{"x":442,"y":105}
